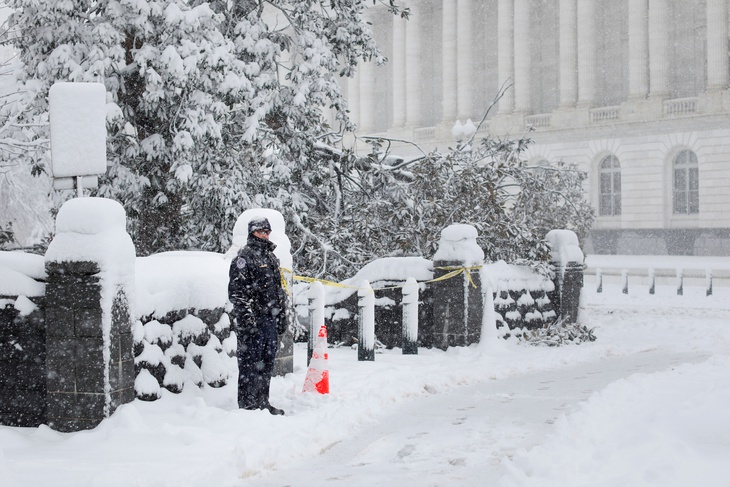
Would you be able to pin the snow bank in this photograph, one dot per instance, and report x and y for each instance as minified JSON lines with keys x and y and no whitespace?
{"x":564,"y":247}
{"x":397,"y":269}
{"x":499,"y":275}
{"x":19,"y":274}
{"x":459,"y":244}
{"x":179,"y":281}
{"x":661,"y":429}
{"x":92,"y":230}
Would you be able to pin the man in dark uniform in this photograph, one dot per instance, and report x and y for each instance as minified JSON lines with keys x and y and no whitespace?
{"x":259,"y":310}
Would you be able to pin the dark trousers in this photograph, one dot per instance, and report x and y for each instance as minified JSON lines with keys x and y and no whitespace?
{"x":256,"y":353}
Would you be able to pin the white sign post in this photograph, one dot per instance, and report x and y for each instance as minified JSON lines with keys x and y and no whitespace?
{"x":78,"y":134}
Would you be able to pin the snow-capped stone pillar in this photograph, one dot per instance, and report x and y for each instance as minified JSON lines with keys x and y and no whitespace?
{"x":639,"y":52}
{"x":567,"y":260}
{"x":90,"y":267}
{"x":717,"y":45}
{"x":505,"y":54}
{"x":568,"y":54}
{"x":457,"y":298}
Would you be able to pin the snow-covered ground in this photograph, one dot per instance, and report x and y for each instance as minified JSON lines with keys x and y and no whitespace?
{"x":646,"y":404}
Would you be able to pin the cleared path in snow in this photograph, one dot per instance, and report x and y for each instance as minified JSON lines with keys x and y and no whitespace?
{"x":459,"y":437}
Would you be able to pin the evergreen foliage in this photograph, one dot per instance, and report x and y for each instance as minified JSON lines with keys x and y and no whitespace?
{"x":212,"y":107}
{"x":217,"y":107}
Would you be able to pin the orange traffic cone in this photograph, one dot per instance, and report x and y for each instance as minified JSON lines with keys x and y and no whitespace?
{"x":318,"y":377}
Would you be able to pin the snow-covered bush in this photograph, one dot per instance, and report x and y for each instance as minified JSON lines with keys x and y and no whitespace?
{"x":559,"y":332}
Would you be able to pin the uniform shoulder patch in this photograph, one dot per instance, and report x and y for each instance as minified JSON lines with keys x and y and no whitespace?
{"x":240,"y":262}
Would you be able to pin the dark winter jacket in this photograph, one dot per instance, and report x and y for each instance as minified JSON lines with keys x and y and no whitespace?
{"x":255,"y":289}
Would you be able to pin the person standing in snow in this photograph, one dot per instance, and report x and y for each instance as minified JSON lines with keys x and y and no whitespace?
{"x":259,"y":310}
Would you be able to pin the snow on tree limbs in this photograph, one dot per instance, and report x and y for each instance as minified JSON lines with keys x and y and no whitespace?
{"x":200,"y":122}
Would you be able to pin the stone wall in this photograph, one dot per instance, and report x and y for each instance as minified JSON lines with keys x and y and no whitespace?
{"x":22,"y":363}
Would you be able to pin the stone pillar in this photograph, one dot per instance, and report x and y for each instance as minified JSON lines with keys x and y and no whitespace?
{"x":568,"y":54}
{"x":464,"y":61}
{"x":367,"y":96}
{"x":586,"y":53}
{"x":413,"y":62}
{"x":505,"y":57}
{"x":353,"y":97}
{"x":399,"y":72}
{"x":639,"y":52}
{"x":717,"y":45}
{"x":523,"y":82}
{"x":567,"y":261}
{"x":457,"y":303}
{"x":658,"y":49}
{"x":89,"y":357}
{"x":449,"y":68}
{"x":22,"y":360}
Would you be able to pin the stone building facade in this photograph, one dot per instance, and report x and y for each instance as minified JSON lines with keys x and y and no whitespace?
{"x":633,"y":91}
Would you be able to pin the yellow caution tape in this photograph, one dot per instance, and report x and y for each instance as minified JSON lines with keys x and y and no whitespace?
{"x":454,"y":271}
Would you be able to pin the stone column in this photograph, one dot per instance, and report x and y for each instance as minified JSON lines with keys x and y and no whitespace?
{"x":399,"y":72}
{"x":353,"y":96}
{"x":717,"y":45}
{"x":413,"y":61}
{"x":457,"y":303}
{"x":89,"y":356}
{"x":505,"y":58}
{"x":658,"y":49}
{"x":367,"y":96}
{"x":639,"y":51}
{"x":586,"y":53}
{"x":568,"y":54}
{"x":523,"y":81}
{"x":448,"y":63}
{"x":464,"y":61}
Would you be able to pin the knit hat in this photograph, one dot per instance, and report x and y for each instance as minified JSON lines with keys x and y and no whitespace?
{"x":258,"y":223}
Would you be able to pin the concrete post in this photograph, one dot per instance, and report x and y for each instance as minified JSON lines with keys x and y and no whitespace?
{"x":366,"y":323}
{"x":89,"y":358}
{"x":410,"y":317}
{"x":457,"y":299}
{"x":316,"y":315}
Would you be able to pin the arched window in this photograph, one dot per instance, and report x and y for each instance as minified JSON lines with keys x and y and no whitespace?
{"x":610,"y":182}
{"x":686,"y":175}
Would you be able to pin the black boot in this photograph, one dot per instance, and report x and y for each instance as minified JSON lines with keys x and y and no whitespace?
{"x":275,"y":411}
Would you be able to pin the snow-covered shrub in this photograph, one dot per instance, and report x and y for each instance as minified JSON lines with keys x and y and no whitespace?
{"x":559,"y":332}
{"x":185,"y":348}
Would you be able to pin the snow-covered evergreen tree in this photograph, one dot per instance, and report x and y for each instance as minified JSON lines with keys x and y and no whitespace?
{"x":212,"y":107}
{"x":25,"y":203}
{"x":383,"y":206}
